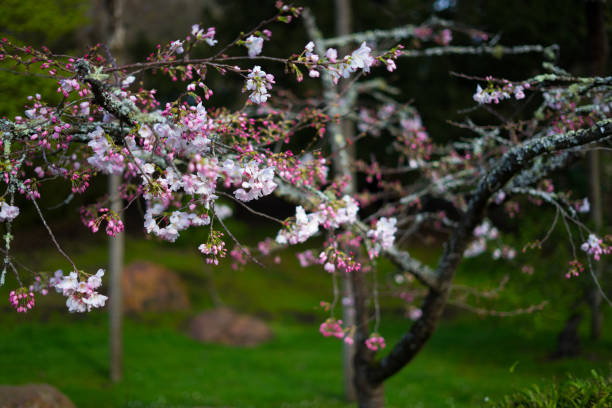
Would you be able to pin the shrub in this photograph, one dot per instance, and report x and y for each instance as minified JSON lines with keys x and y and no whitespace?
{"x":574,"y":392}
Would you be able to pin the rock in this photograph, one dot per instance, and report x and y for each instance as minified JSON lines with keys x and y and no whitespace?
{"x":33,"y":396}
{"x":224,"y":326}
{"x":150,"y":287}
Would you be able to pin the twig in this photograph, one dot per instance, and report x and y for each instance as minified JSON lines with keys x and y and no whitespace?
{"x":57,"y":245}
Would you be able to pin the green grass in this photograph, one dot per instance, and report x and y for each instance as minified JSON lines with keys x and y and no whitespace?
{"x":465,"y":362}
{"x":468,"y":359}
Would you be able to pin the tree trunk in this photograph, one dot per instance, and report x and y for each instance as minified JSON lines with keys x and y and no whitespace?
{"x":338,"y":134}
{"x":597,"y":59}
{"x":368,"y":394}
{"x":568,"y":342}
{"x":116,"y":249}
{"x":594,"y":295}
{"x":342,"y":168}
{"x":116,"y":39}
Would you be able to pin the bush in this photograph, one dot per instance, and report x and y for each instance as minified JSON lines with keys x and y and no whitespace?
{"x":574,"y":393}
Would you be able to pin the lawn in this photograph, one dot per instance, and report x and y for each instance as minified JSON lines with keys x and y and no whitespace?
{"x":470,"y":359}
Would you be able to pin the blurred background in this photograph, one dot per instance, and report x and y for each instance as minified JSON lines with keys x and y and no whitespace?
{"x":273,"y":355}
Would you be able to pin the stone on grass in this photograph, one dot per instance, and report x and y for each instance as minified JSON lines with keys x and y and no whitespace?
{"x":224,"y":326}
{"x":150,"y":287}
{"x":33,"y":396}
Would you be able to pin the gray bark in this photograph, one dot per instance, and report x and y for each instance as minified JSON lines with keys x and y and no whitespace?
{"x":598,"y":56}
{"x":116,"y":251}
{"x":116,"y":36}
{"x":339,"y":135}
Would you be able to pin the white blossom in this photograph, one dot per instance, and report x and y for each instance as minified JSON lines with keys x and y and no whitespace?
{"x":8,"y":212}
{"x":361,"y":58}
{"x":585,"y":206}
{"x":81,"y":295}
{"x":176,"y":47}
{"x":128,"y":81}
{"x":256,"y":182}
{"x":254,"y":45}
{"x":259,"y":82}
{"x":383,"y":236}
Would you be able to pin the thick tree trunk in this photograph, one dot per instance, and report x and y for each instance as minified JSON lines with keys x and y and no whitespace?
{"x":368,"y":394}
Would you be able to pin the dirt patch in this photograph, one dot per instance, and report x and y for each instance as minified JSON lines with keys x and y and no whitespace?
{"x":33,"y":396}
{"x":224,"y":326}
{"x":150,"y":287}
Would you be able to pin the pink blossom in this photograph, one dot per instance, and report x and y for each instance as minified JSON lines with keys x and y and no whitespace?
{"x":375,"y":342}
{"x":332,"y":327}
{"x":595,"y":246}
{"x":415,"y":313}
{"x":331,"y":54}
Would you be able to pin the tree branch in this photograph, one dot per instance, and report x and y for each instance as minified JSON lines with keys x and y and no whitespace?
{"x":508,"y":166}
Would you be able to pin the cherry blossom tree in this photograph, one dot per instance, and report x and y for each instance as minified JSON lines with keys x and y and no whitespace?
{"x":185,"y":158}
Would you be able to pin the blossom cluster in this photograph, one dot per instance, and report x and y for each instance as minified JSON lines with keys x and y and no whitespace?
{"x":333,"y":328}
{"x":200,"y":184}
{"x":505,"y":252}
{"x":328,"y":216}
{"x":383,"y":236}
{"x":333,"y":258}
{"x":259,"y":182}
{"x":200,"y":35}
{"x":495,"y":94}
{"x":360,"y":59}
{"x":214,"y":248}
{"x":576,"y":268}
{"x":259,"y":82}
{"x":94,"y":217}
{"x":39,"y":286}
{"x":177,"y":221}
{"x":375,"y":342}
{"x":596,"y":247}
{"x":81,"y":294}
{"x":482,"y":234}
{"x":22,"y":300}
{"x":105,"y":158}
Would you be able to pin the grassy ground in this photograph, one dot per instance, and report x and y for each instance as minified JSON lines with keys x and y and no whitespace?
{"x":468,"y":360}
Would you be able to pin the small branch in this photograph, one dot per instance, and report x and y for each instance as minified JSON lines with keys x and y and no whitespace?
{"x":236,"y":241}
{"x":249,"y":209}
{"x":489,"y":312}
{"x":496,"y":51}
{"x":57,"y":245}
